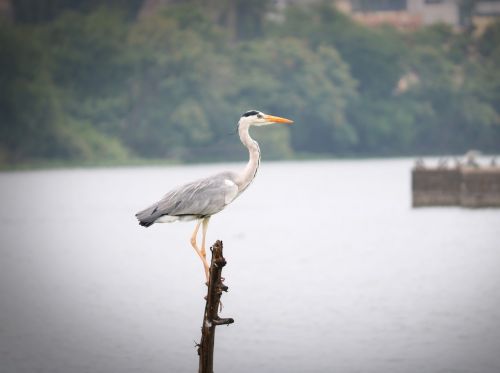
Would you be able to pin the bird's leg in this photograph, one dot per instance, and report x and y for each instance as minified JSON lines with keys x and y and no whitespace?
{"x":195,"y":247}
{"x":204,"y":253}
{"x":193,"y":237}
{"x":203,"y":240}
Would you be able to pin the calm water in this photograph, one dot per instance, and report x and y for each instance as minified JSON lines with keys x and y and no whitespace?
{"x":329,"y":270}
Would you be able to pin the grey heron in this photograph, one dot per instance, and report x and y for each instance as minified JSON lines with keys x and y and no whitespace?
{"x":201,"y":199}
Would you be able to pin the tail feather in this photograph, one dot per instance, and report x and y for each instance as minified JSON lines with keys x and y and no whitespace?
{"x":147,"y":217}
{"x":145,"y":223}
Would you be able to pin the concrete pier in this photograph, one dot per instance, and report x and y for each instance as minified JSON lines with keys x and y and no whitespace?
{"x":471,"y":187}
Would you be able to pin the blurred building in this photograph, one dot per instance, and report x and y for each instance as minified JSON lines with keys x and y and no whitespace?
{"x":485,"y":13}
{"x":412,"y":14}
{"x":403,"y":14}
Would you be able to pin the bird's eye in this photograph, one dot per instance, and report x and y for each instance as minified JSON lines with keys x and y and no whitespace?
{"x":259,"y":116}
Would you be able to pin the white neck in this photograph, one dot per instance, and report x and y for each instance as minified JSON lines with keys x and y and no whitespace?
{"x":247,"y":175}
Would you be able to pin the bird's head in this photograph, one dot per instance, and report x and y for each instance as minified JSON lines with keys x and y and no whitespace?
{"x":258,"y":118}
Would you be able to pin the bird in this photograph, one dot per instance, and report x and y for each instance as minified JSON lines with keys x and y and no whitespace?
{"x":471,"y":158}
{"x":443,"y":162}
{"x":200,"y":199}
{"x":419,"y":163}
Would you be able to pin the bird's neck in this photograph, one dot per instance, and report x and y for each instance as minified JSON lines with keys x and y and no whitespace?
{"x":247,"y":175}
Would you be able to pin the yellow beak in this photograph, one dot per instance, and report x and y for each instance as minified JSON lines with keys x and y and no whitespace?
{"x":273,"y":119}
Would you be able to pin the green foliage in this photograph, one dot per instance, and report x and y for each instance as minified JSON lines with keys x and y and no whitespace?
{"x":250,"y":16}
{"x":37,"y":117}
{"x":29,"y":109}
{"x":373,"y":55}
{"x":177,"y":82}
{"x":90,"y":81}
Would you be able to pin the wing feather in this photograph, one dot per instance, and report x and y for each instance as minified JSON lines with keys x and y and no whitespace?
{"x":199,"y":198}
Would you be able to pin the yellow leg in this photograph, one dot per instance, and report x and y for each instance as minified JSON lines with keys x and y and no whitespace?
{"x":201,"y":253}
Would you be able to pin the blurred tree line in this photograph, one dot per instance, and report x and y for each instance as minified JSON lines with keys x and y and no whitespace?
{"x":91,"y":80}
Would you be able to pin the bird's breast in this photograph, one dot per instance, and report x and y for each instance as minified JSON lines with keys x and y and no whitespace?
{"x":231,"y":192}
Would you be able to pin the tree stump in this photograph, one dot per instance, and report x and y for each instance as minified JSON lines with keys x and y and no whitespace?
{"x":211,"y":318}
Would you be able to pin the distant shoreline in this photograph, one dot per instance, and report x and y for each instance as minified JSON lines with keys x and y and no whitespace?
{"x":133,"y":162}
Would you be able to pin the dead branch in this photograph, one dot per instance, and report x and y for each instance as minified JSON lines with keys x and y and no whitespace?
{"x":211,"y":317}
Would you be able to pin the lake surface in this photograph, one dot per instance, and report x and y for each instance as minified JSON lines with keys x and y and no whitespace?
{"x":329,"y":270}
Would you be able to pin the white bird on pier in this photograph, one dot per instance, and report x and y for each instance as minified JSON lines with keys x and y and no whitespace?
{"x":201,"y":199}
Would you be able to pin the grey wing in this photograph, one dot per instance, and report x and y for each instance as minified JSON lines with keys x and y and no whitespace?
{"x":200,"y":198}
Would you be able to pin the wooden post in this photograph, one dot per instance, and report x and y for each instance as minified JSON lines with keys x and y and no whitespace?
{"x":211,"y":318}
